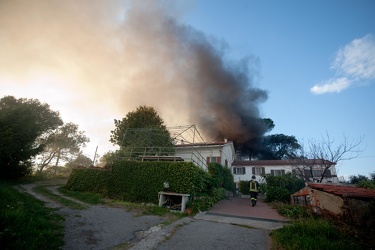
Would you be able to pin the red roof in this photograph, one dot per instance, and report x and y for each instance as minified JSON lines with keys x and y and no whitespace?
{"x":293,"y":162}
{"x":341,"y":190}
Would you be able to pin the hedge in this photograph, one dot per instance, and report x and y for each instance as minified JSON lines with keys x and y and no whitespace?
{"x":140,"y":181}
{"x":89,"y":180}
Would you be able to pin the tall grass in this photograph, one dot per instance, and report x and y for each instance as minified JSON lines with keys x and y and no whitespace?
{"x":25,"y":223}
{"x":312,"y":234}
{"x":309,"y":231}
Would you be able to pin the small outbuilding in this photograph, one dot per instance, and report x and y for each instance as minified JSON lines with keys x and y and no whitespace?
{"x":337,"y":199}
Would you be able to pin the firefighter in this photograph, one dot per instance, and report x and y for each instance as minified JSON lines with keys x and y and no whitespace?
{"x":254,"y":190}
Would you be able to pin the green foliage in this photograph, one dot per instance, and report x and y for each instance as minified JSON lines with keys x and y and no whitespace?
{"x":312,"y":234}
{"x":355,"y":179}
{"x":140,"y":129}
{"x":293,"y":211}
{"x":25,"y":223}
{"x":275,"y":193}
{"x":87,"y":197}
{"x":23,"y":122}
{"x":228,"y":179}
{"x":58,"y":198}
{"x":136,"y":181}
{"x":367,"y":184}
{"x":216,"y":172}
{"x":279,"y":188}
{"x":141,"y":181}
{"x":243,"y":187}
{"x":63,"y":144}
{"x":279,"y":146}
{"x":89,"y":180}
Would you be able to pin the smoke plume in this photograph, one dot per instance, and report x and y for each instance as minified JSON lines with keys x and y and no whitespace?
{"x":102,"y":59}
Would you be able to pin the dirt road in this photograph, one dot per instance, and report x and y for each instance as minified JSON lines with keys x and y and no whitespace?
{"x":106,"y":227}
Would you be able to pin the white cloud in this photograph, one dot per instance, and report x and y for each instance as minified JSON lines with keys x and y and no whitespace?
{"x":357,"y":59}
{"x":354,"y":63}
{"x":332,"y":85}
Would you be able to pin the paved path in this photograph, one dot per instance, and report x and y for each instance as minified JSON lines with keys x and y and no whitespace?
{"x":239,"y":211}
{"x":231,"y":224}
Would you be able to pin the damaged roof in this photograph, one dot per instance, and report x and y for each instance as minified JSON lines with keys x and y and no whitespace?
{"x":344,"y":191}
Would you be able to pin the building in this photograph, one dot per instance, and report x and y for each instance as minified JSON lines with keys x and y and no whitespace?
{"x":334,"y":198}
{"x":310,"y":169}
{"x":203,"y":153}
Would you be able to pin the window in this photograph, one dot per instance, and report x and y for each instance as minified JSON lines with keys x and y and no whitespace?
{"x":258,"y":170}
{"x":213,"y":159}
{"x":239,"y":170}
{"x":277,"y":172}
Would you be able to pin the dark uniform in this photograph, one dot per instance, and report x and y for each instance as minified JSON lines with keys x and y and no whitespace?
{"x":254,"y":190}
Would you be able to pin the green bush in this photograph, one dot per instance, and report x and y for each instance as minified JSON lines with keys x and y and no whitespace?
{"x":141,"y":181}
{"x":89,"y":180}
{"x":279,"y":188}
{"x":243,"y":187}
{"x":228,"y":179}
{"x":293,"y":211}
{"x":277,"y":194}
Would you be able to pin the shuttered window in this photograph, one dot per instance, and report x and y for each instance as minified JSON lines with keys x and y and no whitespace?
{"x":239,"y":170}
{"x":258,"y":170}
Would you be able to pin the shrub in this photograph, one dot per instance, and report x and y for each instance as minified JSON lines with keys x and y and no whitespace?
{"x":279,"y":188}
{"x":89,"y":180}
{"x":141,"y":181}
{"x":275,"y":193}
{"x":243,"y":187}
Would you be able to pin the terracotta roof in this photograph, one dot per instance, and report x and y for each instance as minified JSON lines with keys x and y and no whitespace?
{"x":282,"y":162}
{"x":342,"y":190}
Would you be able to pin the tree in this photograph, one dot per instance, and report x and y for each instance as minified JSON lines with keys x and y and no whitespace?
{"x":279,"y":147}
{"x":62,"y":144}
{"x":23,"y":122}
{"x":326,"y":153}
{"x":80,"y":161}
{"x":354,"y":179}
{"x":142,"y":130}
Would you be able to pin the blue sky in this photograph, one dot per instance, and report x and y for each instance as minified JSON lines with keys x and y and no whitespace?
{"x":315,"y":59}
{"x":317,"y":62}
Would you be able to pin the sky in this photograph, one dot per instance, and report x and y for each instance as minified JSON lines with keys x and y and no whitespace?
{"x":307,"y":65}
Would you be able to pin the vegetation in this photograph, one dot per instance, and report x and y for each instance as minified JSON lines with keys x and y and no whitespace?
{"x":312,"y":234}
{"x":86,"y":197}
{"x":141,"y":132}
{"x":309,"y":230}
{"x":363,"y":181}
{"x":64,"y":144}
{"x":134,"y":181}
{"x":23,"y":123}
{"x":279,"y":147}
{"x":58,"y":198}
{"x":25,"y":223}
{"x":279,"y":188}
{"x":93,"y":180}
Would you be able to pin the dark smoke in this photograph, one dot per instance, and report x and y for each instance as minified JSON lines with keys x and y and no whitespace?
{"x":108,"y":57}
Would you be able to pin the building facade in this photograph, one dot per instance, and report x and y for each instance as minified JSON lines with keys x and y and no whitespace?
{"x":311,"y":170}
{"x":203,"y":153}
